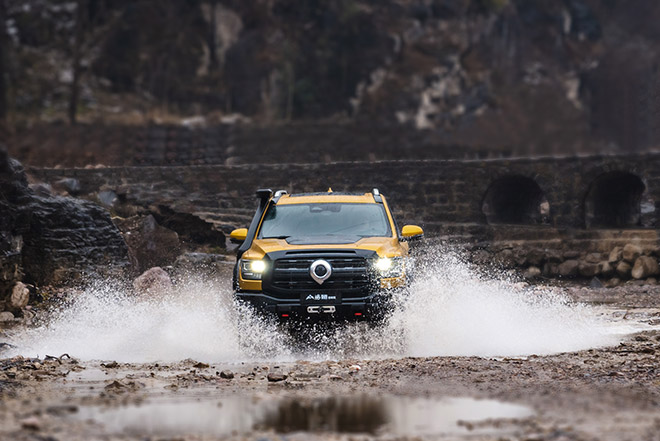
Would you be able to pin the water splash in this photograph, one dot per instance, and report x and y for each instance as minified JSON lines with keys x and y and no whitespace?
{"x":451,"y":309}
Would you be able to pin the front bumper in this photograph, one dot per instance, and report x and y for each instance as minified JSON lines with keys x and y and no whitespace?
{"x":373,"y":306}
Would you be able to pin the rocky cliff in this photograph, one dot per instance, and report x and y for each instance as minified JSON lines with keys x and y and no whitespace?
{"x":531,"y":77}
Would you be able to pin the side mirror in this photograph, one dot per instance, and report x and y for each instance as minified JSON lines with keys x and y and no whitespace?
{"x":412,"y":232}
{"x":238,"y":235}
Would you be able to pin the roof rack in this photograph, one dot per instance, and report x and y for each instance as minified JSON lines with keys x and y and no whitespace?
{"x":377,"y":197}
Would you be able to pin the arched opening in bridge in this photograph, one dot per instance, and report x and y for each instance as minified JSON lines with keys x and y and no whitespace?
{"x":614,"y":200}
{"x":515,"y":200}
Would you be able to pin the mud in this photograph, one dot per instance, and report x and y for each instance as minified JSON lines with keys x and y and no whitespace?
{"x":609,"y":393}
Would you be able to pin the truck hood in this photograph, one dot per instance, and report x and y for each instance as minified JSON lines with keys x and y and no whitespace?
{"x":384,"y":246}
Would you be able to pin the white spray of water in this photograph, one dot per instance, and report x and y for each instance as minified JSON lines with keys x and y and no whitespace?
{"x":450,"y":310}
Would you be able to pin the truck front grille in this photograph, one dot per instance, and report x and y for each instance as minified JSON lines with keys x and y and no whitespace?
{"x":350,"y":276}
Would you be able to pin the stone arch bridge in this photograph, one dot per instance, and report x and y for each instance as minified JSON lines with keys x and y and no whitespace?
{"x":578,"y":193}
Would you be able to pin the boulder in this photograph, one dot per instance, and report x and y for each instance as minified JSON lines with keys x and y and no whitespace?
{"x":153,"y":281}
{"x":505,"y":258}
{"x":569,"y":268}
{"x":613,"y":282}
{"x":631,"y":253}
{"x":615,"y":255}
{"x":550,"y":269}
{"x":532,"y":272}
{"x":149,"y":244}
{"x":190,"y":228}
{"x":645,"y":266}
{"x":623,"y":269}
{"x":6,"y":316}
{"x":20,"y":295}
{"x":595,"y":283}
{"x":605,"y":269}
{"x":587,"y":269}
{"x":536,"y":257}
{"x":553,"y":256}
{"x":68,"y":185}
{"x":592,"y":258}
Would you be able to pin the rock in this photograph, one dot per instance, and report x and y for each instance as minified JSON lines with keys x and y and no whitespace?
{"x":41,"y":189}
{"x":6,"y":316}
{"x":553,"y":256}
{"x":505,"y":258}
{"x":276,"y":377}
{"x":651,"y":281}
{"x":571,"y":254}
{"x":615,"y":255}
{"x":550,"y":269}
{"x":110,"y":365}
{"x":568,"y":268}
{"x":201,"y":365}
{"x":613,"y":282}
{"x":107,"y":198}
{"x":605,"y":269}
{"x":587,"y":269}
{"x":592,"y":258}
{"x":47,"y":239}
{"x":153,"y":281}
{"x":115,"y":386}
{"x":31,"y":423}
{"x":645,"y":266}
{"x":623,"y":269}
{"x":70,"y":185}
{"x":150,"y":244}
{"x":631,"y":253}
{"x":481,"y":257}
{"x":227,"y":374}
{"x":532,"y":272}
{"x":189,"y":227}
{"x":595,"y":283}
{"x":535,"y":257}
{"x":20,"y":295}
{"x":202,"y":263}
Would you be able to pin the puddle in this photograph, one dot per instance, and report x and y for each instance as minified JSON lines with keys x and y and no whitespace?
{"x":358,"y":414}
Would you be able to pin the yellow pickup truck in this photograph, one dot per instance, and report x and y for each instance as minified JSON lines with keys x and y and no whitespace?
{"x":328,"y":255}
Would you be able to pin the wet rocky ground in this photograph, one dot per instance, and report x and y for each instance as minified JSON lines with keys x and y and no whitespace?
{"x":610,"y":393}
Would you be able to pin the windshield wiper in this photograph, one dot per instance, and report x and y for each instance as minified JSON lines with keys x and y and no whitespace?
{"x":276,"y":237}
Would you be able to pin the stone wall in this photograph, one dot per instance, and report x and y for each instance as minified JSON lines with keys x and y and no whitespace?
{"x":159,"y":145}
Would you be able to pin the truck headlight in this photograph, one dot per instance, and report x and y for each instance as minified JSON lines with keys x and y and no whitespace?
{"x":252,"y":269}
{"x":387,"y":267}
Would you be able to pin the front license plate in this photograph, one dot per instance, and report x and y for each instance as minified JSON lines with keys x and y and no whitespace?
{"x":321,"y":298}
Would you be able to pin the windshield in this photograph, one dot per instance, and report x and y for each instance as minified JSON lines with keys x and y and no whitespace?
{"x":336,"y":219}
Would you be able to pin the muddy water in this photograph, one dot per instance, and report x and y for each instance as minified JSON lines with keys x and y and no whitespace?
{"x":450,"y":310}
{"x":371,"y":414}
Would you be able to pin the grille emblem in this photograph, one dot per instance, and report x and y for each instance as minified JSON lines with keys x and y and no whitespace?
{"x":320,"y":270}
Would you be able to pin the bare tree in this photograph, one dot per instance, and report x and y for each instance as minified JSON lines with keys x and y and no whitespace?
{"x":81,"y":22}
